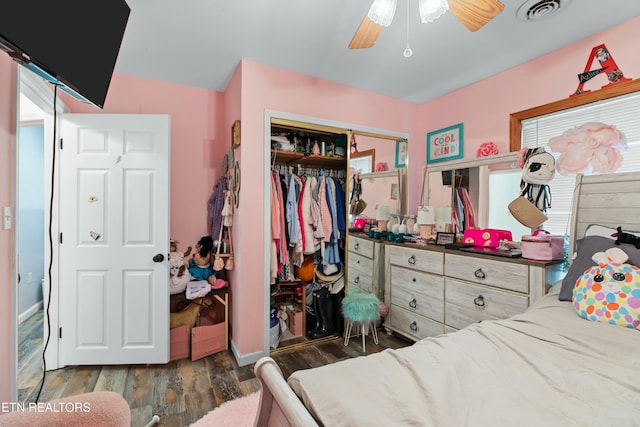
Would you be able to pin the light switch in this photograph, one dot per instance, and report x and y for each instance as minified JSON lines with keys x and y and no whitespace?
{"x":7,"y":217}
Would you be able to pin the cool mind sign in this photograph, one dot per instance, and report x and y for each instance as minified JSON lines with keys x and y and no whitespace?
{"x":445,"y":144}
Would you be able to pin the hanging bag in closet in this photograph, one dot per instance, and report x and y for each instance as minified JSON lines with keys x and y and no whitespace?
{"x":218,"y":262}
{"x":229,"y":263}
{"x":356,"y":204}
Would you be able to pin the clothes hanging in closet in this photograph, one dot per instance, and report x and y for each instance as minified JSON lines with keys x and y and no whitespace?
{"x":307,"y":216}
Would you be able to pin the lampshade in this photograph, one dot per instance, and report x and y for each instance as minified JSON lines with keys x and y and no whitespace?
{"x":382,"y":213}
{"x":381,"y":12}
{"x":426,"y":215}
{"x":430,"y":10}
{"x":443,"y":214}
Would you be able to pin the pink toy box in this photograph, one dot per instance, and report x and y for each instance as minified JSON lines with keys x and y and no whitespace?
{"x":542,"y":246}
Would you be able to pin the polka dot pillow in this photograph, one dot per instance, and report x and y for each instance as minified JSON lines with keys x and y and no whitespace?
{"x":610,"y":291}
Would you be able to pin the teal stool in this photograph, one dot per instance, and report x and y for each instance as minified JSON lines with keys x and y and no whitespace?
{"x":363,"y":309}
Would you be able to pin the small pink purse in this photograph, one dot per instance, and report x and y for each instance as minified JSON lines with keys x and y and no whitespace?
{"x":487,"y":237}
{"x":542,"y":246}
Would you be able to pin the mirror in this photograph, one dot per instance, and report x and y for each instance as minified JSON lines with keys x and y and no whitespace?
{"x":364,"y":161}
{"x":474,"y":183}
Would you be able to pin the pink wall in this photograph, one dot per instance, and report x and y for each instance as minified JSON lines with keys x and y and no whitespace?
{"x":269,"y":88}
{"x":8,"y":72}
{"x":484,"y":107}
{"x":200,"y":134}
{"x":197,"y":145}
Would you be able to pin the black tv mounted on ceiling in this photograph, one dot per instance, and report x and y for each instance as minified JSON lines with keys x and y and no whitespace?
{"x":71,"y":43}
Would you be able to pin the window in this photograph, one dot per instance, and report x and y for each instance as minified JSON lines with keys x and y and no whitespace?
{"x":621,"y":112}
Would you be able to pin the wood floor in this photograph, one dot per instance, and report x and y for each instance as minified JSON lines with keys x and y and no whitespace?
{"x":179,"y":392}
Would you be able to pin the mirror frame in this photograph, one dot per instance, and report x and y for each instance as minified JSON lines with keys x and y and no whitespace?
{"x":366,"y":153}
{"x":611,"y":91}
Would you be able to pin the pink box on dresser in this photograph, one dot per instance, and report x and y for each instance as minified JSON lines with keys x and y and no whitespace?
{"x":542,"y":246}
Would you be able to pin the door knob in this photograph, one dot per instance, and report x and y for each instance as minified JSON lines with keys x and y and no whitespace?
{"x":158,"y":258}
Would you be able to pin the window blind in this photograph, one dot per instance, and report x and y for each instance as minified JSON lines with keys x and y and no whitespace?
{"x":623,"y":112}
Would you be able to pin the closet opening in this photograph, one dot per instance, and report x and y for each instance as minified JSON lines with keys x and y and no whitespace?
{"x":309,"y":220}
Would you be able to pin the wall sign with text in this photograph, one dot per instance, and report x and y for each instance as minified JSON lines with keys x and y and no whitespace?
{"x":445,"y":144}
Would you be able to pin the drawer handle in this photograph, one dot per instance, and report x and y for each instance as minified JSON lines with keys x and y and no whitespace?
{"x":413,"y":326}
{"x":479,"y":301}
{"x":413,"y":303}
{"x":412,"y":259}
{"x":356,"y":280}
{"x":480,"y":274}
{"x":356,"y":246}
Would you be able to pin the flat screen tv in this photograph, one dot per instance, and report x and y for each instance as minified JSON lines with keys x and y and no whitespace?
{"x":72,"y":43}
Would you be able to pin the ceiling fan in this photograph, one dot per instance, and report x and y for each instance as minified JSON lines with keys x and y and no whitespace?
{"x":474,"y":14}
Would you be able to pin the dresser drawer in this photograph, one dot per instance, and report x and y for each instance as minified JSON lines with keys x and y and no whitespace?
{"x":362,"y":280}
{"x":501,"y":274}
{"x":483,"y":300}
{"x":418,"y":259}
{"x":417,"y":281}
{"x":418,"y":303}
{"x":361,"y":246}
{"x":457,"y":317}
{"x":414,"y":325}
{"x":359,"y":263}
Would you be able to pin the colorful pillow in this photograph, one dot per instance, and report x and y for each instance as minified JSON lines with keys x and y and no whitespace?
{"x":586,"y":247}
{"x":610,"y":291}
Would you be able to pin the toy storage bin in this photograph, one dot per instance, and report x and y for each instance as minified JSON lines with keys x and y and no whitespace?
{"x":543,"y":246}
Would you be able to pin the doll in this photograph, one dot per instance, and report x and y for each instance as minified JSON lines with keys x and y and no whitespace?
{"x":538,"y":169}
{"x":200,"y":265}
{"x":178,"y":273}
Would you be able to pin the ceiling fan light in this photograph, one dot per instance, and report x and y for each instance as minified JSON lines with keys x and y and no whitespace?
{"x":382,"y":11}
{"x":430,"y":10}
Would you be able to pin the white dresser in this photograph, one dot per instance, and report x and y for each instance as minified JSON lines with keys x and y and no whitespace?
{"x":430,"y":290}
{"x":365,"y":264}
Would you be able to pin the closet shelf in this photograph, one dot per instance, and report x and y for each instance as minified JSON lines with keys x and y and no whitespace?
{"x":293,"y":158}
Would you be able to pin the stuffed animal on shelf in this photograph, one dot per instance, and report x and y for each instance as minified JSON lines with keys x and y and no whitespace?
{"x":178,"y":273}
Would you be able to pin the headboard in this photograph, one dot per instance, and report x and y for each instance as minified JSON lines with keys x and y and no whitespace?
{"x":612,"y":200}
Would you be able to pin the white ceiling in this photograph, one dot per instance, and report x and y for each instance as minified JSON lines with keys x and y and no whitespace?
{"x":200,"y":42}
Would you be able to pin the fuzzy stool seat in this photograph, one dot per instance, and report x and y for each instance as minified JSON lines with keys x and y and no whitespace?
{"x":361,"y":308}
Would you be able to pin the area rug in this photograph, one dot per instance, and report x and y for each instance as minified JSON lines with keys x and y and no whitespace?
{"x":239,"y":412}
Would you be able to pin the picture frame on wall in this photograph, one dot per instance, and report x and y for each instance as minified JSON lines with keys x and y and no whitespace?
{"x":401,"y":154}
{"x":445,"y":144}
{"x":235,"y":134}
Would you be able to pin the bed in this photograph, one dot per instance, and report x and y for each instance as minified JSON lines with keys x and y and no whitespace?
{"x":546,"y":366}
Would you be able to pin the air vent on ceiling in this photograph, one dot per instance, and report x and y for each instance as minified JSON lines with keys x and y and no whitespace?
{"x":538,"y":10}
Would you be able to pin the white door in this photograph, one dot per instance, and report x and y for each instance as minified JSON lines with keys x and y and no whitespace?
{"x":114,"y":226}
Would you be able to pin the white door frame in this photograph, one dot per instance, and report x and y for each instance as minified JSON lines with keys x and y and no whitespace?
{"x":41,"y":94}
{"x":274,"y":114}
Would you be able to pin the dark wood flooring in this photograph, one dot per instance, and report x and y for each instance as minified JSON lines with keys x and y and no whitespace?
{"x":179,"y":392}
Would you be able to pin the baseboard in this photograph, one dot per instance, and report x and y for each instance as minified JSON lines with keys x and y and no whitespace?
{"x":246,"y":359}
{"x":29,"y":312}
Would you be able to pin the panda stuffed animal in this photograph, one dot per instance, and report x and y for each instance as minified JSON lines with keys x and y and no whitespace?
{"x":538,"y":169}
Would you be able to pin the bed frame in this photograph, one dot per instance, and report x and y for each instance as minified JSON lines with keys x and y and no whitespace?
{"x":610,"y":200}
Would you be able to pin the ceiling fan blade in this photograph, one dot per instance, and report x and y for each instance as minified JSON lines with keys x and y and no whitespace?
{"x":474,"y":14}
{"x":366,"y":34}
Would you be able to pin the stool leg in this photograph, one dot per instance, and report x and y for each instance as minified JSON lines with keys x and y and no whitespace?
{"x":364,"y":334}
{"x":374,"y":333}
{"x":348,"y":332}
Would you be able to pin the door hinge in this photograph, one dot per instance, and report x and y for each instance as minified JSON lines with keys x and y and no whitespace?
{"x":60,"y":239}
{"x":61,"y":143}
{"x":60,"y":333}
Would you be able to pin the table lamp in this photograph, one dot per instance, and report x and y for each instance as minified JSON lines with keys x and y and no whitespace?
{"x":426,"y":221}
{"x":382,"y":216}
{"x":443,"y":218}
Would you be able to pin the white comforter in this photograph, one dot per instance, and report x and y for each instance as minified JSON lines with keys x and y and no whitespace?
{"x":545,"y":367}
